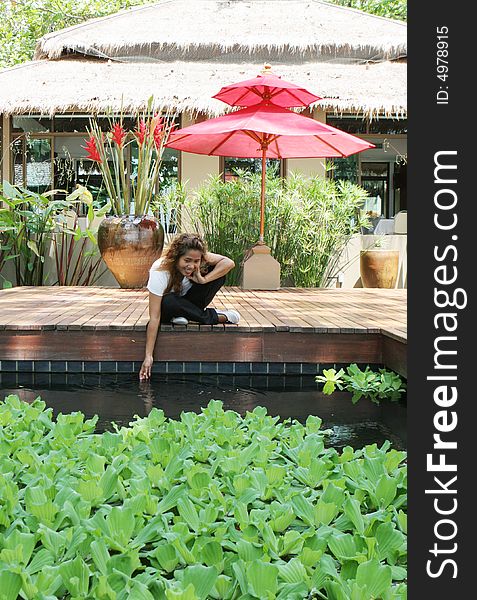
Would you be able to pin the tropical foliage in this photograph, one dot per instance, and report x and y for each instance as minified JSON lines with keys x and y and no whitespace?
{"x":23,"y":22}
{"x":34,"y":226}
{"x":375,"y":385}
{"x":393,"y":9}
{"x":213,"y":505}
{"x":308,"y":222}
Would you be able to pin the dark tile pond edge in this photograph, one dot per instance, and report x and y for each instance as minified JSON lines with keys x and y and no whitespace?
{"x":9,"y":367}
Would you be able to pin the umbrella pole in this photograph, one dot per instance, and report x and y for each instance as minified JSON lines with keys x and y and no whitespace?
{"x":262,"y":198}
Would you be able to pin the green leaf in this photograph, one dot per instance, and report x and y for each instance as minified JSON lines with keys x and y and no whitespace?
{"x":325,"y":512}
{"x":170,"y":499}
{"x":293,"y":591}
{"x":202,"y":578}
{"x":310,"y":557}
{"x":212,"y":553}
{"x":104,"y":210}
{"x":248,"y":551}
{"x":304,"y":509}
{"x":376,"y":577}
{"x":41,"y":559}
{"x":109,"y":482}
{"x":181,"y":594}
{"x":223,"y":588}
{"x":262,"y":578}
{"x":100,"y":555}
{"x":120,"y":524}
{"x":189,"y":513}
{"x":385,"y":491}
{"x":199,"y":480}
{"x":398,"y":573}
{"x":343,"y":546}
{"x":10,"y":584}
{"x":167,"y":557}
{"x":292,"y":543}
{"x":25,"y":542}
{"x":75,"y":575}
{"x":402,"y":521}
{"x":313,"y":424}
{"x":389,"y":540}
{"x":282,"y":520}
{"x":9,"y":190}
{"x":33,"y":247}
{"x":352,"y":509}
{"x":238,"y":568}
{"x":293,"y":571}
{"x":324,"y":570}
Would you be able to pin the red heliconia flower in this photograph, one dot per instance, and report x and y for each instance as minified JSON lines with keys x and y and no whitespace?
{"x":158,"y":133}
{"x":92,"y":150}
{"x":118,"y":134}
{"x":141,"y":132}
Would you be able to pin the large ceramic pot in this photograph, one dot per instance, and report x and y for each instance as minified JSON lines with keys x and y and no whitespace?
{"x":379,"y":268}
{"x":129,"y":245}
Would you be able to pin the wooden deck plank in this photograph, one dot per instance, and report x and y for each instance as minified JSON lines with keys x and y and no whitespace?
{"x":329,"y":310}
{"x":289,"y":325}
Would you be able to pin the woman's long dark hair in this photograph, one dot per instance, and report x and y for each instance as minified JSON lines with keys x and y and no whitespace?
{"x":180,"y":245}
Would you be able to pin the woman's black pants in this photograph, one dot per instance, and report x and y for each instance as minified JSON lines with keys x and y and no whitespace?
{"x":193,"y":305}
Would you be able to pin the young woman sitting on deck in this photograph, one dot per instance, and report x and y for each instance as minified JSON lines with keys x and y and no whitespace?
{"x":181,"y":285}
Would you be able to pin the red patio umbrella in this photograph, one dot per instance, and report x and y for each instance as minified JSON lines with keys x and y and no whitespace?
{"x":266,"y":131}
{"x":266,"y":86}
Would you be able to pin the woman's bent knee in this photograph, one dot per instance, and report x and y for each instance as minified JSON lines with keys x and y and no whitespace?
{"x":169,"y":303}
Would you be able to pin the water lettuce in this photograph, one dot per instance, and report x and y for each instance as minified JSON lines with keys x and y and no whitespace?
{"x":213,"y":505}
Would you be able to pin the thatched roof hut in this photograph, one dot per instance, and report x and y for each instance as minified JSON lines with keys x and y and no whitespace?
{"x":215,"y":27}
{"x":182,"y":53}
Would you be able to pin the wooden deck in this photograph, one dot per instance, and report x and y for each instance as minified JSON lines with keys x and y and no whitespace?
{"x":80,"y":323}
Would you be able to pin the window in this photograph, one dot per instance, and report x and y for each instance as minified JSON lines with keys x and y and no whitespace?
{"x":375,"y":180}
{"x":346,"y":168}
{"x":48,"y":154}
{"x":357,"y":124}
{"x":348,"y":123}
{"x":31,"y":124}
{"x":381,"y":170}
{"x":32,"y":166}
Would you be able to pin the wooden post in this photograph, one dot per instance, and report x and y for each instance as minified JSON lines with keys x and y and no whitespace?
{"x":262,"y":198}
{"x":5,"y":158}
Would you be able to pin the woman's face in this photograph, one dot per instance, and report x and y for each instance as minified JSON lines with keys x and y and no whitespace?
{"x":189,"y":262}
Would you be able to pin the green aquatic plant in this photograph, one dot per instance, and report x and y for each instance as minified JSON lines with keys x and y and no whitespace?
{"x":375,"y":385}
{"x":212,"y":505}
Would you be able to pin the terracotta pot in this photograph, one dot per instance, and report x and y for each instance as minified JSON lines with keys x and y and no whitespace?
{"x":129,"y":245}
{"x":379,"y":268}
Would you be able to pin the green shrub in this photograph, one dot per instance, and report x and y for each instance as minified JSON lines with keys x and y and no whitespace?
{"x":308,"y":222}
{"x":32,"y":224}
{"x":213,"y":505}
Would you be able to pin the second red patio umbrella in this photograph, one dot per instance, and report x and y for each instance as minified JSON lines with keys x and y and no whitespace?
{"x":266,"y":131}
{"x":266,"y":86}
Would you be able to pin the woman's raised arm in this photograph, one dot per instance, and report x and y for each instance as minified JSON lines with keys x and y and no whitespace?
{"x":151,"y":334}
{"x":222,"y":265}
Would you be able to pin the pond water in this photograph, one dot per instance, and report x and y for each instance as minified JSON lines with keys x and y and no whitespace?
{"x":117,"y":398}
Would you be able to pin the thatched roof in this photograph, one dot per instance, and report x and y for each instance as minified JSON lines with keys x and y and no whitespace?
{"x":72,"y":84}
{"x":182,"y":52}
{"x":206,"y":28}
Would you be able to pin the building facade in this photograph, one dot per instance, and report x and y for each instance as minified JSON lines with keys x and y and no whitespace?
{"x":181,"y":54}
